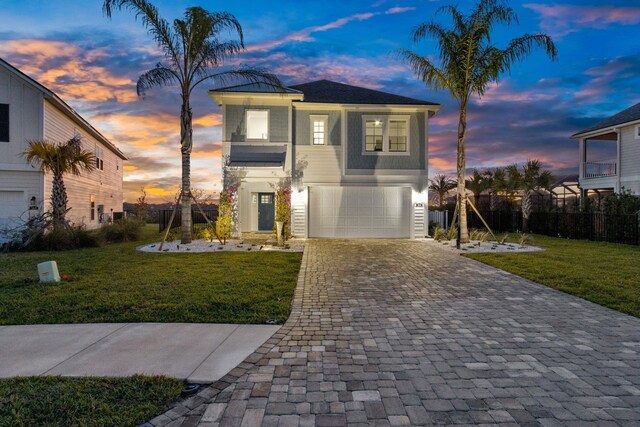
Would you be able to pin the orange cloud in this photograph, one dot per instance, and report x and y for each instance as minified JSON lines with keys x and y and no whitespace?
{"x":68,"y":70}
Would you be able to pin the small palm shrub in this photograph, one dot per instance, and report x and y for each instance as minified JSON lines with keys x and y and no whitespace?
{"x":438,"y":233}
{"x":123,"y":230}
{"x":452,"y":234}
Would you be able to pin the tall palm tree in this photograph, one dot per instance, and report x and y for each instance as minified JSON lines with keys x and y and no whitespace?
{"x":468,"y":62}
{"x":60,"y":159}
{"x":194,"y":53}
{"x":530,"y":179}
{"x":441,"y":184}
{"x":477,"y":183}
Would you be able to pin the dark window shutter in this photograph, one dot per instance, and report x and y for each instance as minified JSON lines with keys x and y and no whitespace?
{"x":4,"y":122}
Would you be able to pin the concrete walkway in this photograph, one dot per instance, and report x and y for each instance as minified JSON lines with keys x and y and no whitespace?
{"x":398,"y":332}
{"x":200,"y":353}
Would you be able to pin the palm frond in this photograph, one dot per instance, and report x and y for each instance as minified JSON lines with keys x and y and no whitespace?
{"x":521,"y":47}
{"x":158,"y":76}
{"x":148,"y":14}
{"x":252,"y":75}
{"x":425,"y":70}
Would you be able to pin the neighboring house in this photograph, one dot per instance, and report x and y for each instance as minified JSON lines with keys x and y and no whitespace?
{"x":357,"y":158}
{"x":622,"y":172}
{"x":30,"y":111}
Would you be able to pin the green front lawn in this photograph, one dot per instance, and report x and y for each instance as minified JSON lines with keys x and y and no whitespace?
{"x":83,"y":402}
{"x":605,"y":273}
{"x":116,"y":283}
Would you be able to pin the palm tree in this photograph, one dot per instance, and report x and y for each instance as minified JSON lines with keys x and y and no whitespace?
{"x":468,"y":63}
{"x":60,"y":159}
{"x":441,"y":184}
{"x":477,"y":183}
{"x":194,"y":53}
{"x":530,"y":179}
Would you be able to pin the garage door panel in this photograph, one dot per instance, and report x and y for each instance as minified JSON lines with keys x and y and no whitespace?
{"x":359,"y":212}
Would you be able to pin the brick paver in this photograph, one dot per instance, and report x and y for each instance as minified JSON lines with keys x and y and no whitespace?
{"x":390,"y":332}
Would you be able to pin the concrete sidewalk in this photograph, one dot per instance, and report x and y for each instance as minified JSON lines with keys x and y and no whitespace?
{"x":199,"y":353}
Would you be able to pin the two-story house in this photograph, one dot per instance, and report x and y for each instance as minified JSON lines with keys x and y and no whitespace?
{"x":30,"y":111}
{"x":621,"y":172}
{"x":357,"y":157}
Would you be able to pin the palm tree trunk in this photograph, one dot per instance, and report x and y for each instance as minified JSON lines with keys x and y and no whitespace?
{"x":526,"y":210}
{"x":461,"y":164}
{"x":441,"y":201}
{"x":58,"y":201}
{"x":186,"y":141}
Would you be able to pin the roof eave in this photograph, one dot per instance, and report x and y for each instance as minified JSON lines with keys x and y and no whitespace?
{"x":607,"y":129}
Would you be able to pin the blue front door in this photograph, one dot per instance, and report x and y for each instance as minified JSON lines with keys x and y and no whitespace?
{"x":266,"y":211}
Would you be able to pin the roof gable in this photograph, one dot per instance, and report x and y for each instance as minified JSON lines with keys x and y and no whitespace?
{"x":63,"y":107}
{"x":631,"y":114}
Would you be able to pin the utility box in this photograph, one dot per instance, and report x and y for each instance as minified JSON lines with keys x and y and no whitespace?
{"x":48,"y":272}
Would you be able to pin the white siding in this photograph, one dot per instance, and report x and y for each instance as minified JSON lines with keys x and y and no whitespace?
{"x":319,"y":165}
{"x":629,"y":160}
{"x":19,"y":182}
{"x":105,"y":185}
{"x":25,"y":118}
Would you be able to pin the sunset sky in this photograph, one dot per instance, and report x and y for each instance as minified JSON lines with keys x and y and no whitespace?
{"x":93,"y":63}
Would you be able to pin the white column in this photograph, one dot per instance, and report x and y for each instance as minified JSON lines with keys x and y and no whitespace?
{"x":582,"y":155}
{"x":618,"y":160}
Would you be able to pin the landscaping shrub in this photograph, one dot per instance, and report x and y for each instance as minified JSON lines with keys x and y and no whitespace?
{"x":283,"y":210}
{"x":438,"y":233}
{"x":59,"y":239}
{"x":123,"y":230}
{"x":223,"y":223}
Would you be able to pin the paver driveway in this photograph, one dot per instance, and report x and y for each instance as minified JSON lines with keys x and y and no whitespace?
{"x":400,"y":332}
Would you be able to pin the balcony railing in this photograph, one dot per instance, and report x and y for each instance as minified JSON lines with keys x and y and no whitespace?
{"x":599,"y":170}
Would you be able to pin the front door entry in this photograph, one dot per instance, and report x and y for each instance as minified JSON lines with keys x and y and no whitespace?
{"x":266,"y":211}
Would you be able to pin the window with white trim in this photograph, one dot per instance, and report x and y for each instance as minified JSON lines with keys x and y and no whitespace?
{"x":636,"y":134}
{"x":99,"y":158}
{"x":318,"y":130}
{"x":257,"y":124}
{"x":373,"y":135}
{"x":386,"y":134}
{"x":4,"y":122}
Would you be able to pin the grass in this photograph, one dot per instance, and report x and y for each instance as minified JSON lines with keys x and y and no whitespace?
{"x":604,"y":273}
{"x":116,"y":283}
{"x":69,"y":402}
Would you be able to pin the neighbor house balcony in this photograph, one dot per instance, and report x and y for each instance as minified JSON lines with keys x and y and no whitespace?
{"x":599,"y":170}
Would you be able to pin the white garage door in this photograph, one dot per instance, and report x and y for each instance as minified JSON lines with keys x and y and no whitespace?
{"x":359,"y":212}
{"x":12,"y":206}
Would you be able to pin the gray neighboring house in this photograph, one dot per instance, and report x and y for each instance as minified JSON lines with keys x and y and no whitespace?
{"x":623,"y":172}
{"x":357,"y":156}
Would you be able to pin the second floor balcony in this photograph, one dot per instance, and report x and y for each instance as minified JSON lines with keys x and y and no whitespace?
{"x":599,"y":170}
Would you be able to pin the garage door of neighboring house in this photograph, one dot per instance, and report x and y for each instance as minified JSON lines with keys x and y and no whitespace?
{"x":359,"y":212}
{"x":12,"y":207}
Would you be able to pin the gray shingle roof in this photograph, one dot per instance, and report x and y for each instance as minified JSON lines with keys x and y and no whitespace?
{"x":258,"y":87}
{"x":631,"y":114}
{"x":326,"y":91}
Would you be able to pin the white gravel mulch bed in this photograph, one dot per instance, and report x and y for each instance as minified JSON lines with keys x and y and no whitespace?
{"x":476,"y":247}
{"x":294,"y":245}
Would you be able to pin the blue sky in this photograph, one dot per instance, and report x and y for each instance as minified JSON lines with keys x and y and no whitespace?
{"x":93,"y":63}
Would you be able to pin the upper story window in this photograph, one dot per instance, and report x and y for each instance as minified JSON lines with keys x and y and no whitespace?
{"x":636,"y":132}
{"x":99,"y":158}
{"x":319,"y":130}
{"x":386,"y":134}
{"x":4,"y":122}
{"x":373,"y":135}
{"x":257,"y":124}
